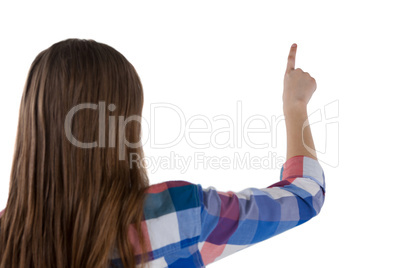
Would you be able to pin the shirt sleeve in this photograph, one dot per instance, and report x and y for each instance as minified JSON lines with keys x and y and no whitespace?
{"x":232,"y":221}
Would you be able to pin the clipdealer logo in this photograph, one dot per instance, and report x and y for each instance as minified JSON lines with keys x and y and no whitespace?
{"x":239,"y":132}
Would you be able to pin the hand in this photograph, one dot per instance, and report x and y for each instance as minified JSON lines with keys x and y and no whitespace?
{"x":298,"y":86}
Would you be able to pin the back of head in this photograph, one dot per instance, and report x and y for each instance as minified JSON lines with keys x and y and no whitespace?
{"x":72,"y":191}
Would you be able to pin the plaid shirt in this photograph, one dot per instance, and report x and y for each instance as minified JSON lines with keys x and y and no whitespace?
{"x":186,"y":225}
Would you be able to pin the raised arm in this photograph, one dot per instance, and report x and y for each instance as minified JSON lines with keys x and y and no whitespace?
{"x":232,"y":221}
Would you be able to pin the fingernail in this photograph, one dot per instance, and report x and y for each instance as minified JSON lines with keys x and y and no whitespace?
{"x":294,"y":45}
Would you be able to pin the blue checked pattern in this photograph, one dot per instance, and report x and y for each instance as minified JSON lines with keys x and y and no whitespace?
{"x":191,"y":226}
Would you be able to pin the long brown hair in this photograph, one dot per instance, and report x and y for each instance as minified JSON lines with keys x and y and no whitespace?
{"x":70,"y":206}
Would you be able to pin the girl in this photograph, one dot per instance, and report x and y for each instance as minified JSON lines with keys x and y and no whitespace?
{"x":75,"y":200}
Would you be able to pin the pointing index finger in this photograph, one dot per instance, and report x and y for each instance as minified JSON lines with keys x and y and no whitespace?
{"x":292,"y":58}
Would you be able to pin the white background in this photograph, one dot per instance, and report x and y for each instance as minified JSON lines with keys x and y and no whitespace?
{"x":204,"y":56}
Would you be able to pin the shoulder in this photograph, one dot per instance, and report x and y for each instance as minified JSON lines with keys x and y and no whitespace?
{"x":171,"y":196}
{"x":172,"y":219}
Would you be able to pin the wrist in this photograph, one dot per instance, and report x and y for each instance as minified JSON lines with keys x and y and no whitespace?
{"x":297,"y":109}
